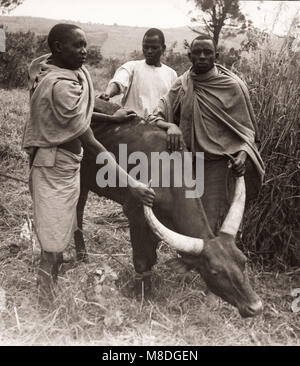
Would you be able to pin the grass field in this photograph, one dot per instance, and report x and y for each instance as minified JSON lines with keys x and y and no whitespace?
{"x":96,"y":305}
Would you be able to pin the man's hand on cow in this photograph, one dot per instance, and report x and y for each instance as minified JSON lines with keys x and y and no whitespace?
{"x":124,"y":115}
{"x":104,"y":96}
{"x":143,"y":193}
{"x":238,"y":163}
{"x":174,"y":138}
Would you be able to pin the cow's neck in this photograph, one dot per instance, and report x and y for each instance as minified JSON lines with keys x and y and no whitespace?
{"x":190,"y":216}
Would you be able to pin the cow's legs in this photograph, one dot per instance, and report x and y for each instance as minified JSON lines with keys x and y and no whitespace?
{"x":81,"y":253}
{"x":144,"y":256}
{"x":144,"y":245}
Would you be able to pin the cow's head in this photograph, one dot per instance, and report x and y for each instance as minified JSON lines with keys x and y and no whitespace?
{"x":223,"y":268}
{"x":221,"y":264}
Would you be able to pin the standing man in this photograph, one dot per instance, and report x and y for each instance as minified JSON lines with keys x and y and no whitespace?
{"x":209,"y":109}
{"x":61,"y":107}
{"x":143,"y":82}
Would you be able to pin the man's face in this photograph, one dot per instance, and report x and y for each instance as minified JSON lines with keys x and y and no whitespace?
{"x":202,"y":55}
{"x":72,"y":51}
{"x":152,"y":50}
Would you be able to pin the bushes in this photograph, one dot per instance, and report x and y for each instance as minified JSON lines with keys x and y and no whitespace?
{"x":228,"y":58}
{"x":273,"y":221}
{"x":178,"y":61}
{"x":21,"y":49}
{"x":94,"y":56}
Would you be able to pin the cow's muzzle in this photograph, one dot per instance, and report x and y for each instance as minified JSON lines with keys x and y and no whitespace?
{"x":251,"y":310}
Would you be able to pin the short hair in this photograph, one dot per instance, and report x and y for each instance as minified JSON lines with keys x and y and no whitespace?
{"x":60,"y":33}
{"x":155,"y":32}
{"x":204,"y":37}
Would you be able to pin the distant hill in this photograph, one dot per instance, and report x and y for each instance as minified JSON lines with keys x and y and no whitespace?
{"x":114,"y":40}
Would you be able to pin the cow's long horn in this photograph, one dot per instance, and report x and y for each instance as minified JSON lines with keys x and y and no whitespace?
{"x":177,"y":241}
{"x":234,"y":216}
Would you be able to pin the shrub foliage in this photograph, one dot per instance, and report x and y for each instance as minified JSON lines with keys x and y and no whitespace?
{"x":272,"y":225}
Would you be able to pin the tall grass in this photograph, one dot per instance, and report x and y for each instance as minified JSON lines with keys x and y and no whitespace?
{"x":272,"y":225}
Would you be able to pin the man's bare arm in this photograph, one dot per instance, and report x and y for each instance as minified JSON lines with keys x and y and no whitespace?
{"x":174,"y":135}
{"x":120,"y":116}
{"x":111,"y":90}
{"x":139,"y":190}
{"x":238,"y":163}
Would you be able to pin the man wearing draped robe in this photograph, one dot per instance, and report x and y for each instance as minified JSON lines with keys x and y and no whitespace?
{"x":208,"y":109}
{"x":61,"y":107}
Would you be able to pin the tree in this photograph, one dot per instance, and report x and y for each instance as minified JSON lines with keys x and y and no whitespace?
{"x":8,"y":5}
{"x":214,"y":14}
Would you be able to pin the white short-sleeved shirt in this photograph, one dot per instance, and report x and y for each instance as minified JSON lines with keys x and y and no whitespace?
{"x":143,"y":85}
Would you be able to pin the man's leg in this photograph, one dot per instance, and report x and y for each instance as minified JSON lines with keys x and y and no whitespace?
{"x":47,"y":277}
{"x":144,"y":245}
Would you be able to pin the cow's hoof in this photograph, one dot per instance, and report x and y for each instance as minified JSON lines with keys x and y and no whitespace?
{"x":143,"y":286}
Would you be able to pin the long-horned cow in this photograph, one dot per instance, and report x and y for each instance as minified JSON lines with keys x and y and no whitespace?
{"x":179,"y":221}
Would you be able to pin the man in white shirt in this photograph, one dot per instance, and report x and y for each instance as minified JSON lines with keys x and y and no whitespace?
{"x":143,"y":82}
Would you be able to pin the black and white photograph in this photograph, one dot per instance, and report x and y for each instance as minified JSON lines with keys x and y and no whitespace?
{"x":150,"y":175}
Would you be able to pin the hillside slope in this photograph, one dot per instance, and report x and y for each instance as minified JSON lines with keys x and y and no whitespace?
{"x":114,"y":40}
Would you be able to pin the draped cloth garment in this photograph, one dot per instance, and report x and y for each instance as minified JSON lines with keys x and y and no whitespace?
{"x":61,"y":106}
{"x":55,"y":187}
{"x":214,"y":112}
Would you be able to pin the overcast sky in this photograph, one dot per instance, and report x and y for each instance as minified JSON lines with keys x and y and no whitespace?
{"x":147,"y":13}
